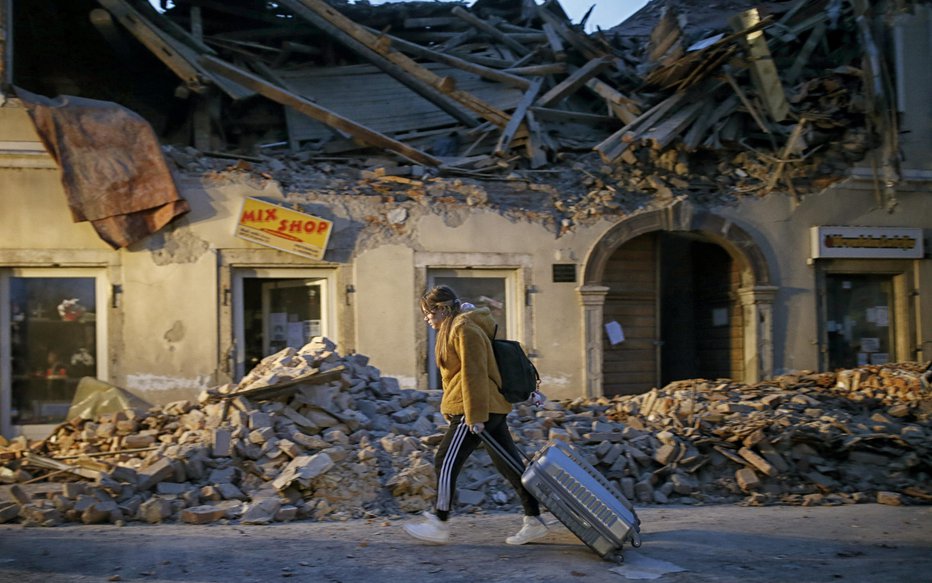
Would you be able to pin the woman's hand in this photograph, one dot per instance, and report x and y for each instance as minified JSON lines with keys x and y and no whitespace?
{"x":477,"y":427}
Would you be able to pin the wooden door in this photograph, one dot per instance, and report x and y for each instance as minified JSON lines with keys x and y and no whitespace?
{"x":631,"y":367}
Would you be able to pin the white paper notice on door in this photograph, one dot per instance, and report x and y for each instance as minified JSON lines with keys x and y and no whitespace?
{"x":870,"y":344}
{"x":615,"y":334}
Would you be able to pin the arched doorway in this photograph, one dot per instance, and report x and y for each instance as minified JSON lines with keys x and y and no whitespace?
{"x":690,"y":292}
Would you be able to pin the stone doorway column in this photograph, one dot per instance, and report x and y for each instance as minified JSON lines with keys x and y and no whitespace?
{"x":592,"y":298}
{"x":757,"y":305}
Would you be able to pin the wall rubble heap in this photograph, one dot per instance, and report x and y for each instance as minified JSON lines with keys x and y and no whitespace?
{"x":310,"y":434}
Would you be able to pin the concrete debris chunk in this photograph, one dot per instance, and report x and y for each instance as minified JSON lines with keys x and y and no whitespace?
{"x":303,"y":469}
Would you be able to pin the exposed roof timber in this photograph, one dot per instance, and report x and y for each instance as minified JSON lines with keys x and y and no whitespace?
{"x":453,"y":61}
{"x":362,"y":43}
{"x":180,"y":58}
{"x":317,"y":112}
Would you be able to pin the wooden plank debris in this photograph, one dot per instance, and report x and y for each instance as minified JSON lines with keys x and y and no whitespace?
{"x":577,"y":79}
{"x":321,"y":114}
{"x":804,"y":53}
{"x":180,"y":58}
{"x":490,"y":29}
{"x":614,"y":146}
{"x":517,"y":118}
{"x":367,"y":45}
{"x":555,"y":42}
{"x":624,"y":108}
{"x":40,"y":461}
{"x":454,"y":61}
{"x":287,"y":387}
{"x":763,"y":70}
{"x":788,"y":150}
{"x":469,"y":69}
{"x":660,"y":136}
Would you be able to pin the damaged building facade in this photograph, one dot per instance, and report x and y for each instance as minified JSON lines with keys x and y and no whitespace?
{"x":190,"y":189}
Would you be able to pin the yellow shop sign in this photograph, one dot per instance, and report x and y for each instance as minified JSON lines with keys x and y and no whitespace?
{"x":284,"y":229}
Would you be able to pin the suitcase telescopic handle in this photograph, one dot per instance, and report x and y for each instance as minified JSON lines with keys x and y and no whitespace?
{"x":495,"y":446}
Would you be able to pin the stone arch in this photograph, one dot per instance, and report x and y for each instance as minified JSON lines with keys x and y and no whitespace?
{"x":685,"y":218}
{"x":756,"y":291}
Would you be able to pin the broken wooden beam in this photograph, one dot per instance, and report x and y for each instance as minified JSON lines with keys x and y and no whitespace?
{"x":565,"y":116}
{"x":536,"y":143}
{"x":314,"y":111}
{"x":660,"y":135}
{"x":573,"y":82}
{"x":555,"y":42}
{"x":758,"y":118}
{"x":180,"y":58}
{"x":39,"y":461}
{"x":454,"y":61}
{"x":517,"y":117}
{"x":763,"y":70}
{"x":780,"y":166}
{"x":373,"y":48}
{"x":490,"y":30}
{"x":694,"y":137}
{"x":624,"y":108}
{"x":802,"y":57}
{"x":285,"y":388}
{"x":579,"y":41}
{"x":615,"y":145}
{"x":539,"y":70}
{"x":345,"y":31}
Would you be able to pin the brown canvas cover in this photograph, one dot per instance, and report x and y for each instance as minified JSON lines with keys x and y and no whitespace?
{"x":112,"y":167}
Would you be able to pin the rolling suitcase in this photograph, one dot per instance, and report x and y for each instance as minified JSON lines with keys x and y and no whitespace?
{"x":576,"y":493}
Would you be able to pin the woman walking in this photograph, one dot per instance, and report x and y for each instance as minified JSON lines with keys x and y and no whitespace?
{"x":471,"y":403}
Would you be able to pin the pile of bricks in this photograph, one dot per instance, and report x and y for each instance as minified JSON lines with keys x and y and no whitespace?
{"x":311,"y":434}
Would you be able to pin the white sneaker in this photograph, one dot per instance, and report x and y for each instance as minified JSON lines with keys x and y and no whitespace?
{"x":431,"y":529}
{"x":533,"y":529}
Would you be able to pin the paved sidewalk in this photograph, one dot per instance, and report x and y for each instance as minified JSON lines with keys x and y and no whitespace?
{"x":867,"y":543}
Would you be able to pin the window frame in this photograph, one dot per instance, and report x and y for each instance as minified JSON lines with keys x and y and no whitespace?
{"x":519,"y":290}
{"x":102,"y":303}
{"x":328,"y":286}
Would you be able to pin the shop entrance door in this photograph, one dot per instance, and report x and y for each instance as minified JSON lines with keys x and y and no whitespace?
{"x":859,"y":319}
{"x":274,"y":309}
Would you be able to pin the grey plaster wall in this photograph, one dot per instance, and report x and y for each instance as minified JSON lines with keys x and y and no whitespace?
{"x":165,"y":329}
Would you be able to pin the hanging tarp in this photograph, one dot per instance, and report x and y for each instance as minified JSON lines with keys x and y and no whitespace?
{"x":112,"y":167}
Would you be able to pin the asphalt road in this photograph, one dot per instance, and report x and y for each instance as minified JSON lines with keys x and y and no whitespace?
{"x":867,"y":543}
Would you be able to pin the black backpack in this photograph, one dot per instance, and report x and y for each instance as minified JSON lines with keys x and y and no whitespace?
{"x":519,"y":375}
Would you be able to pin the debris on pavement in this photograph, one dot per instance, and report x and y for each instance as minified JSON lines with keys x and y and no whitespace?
{"x":312,"y":434}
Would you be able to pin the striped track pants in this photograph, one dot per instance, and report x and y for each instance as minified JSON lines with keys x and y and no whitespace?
{"x":457,"y":445}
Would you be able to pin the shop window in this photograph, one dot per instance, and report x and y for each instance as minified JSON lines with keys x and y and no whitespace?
{"x":859,"y":321}
{"x":491,"y":289}
{"x":53,"y":342}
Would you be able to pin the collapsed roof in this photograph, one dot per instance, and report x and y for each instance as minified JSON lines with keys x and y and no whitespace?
{"x":679,"y":100}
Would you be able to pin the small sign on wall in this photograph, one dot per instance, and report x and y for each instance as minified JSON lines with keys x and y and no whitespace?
{"x":866,"y":243}
{"x":284,"y":229}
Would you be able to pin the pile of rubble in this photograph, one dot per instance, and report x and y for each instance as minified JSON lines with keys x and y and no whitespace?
{"x":311,"y":434}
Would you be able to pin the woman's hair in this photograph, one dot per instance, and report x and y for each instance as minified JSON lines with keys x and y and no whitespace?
{"x":441,"y":300}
